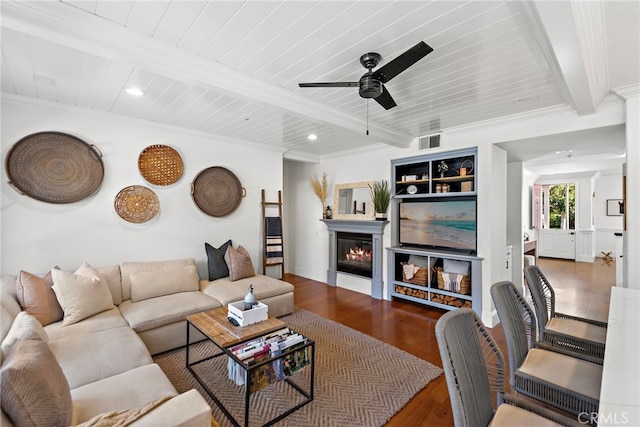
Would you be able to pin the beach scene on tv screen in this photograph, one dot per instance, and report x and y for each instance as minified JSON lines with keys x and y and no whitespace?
{"x":450,"y":224}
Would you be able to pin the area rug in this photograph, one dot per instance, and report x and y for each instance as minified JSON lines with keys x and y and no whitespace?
{"x":359,"y":380}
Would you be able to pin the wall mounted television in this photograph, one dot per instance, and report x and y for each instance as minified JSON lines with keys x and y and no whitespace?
{"x":448,"y":224}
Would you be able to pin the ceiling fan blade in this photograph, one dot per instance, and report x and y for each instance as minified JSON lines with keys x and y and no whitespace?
{"x":402,"y":62}
{"x":330,"y":84}
{"x":385,"y":99}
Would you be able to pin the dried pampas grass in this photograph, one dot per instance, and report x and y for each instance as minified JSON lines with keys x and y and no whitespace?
{"x":321,"y":188}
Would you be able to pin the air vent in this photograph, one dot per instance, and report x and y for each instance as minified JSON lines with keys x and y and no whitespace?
{"x":431,"y":141}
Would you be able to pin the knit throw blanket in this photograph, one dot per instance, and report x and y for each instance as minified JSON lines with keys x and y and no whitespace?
{"x":452,"y":281}
{"x":122,"y":418}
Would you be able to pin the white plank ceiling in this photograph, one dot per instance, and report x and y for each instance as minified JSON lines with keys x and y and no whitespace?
{"x":232,"y":68}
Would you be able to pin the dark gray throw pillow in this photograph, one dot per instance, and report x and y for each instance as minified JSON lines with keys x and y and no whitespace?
{"x":215,"y":260}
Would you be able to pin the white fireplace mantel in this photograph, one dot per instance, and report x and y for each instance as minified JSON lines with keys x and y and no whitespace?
{"x":376,"y":229}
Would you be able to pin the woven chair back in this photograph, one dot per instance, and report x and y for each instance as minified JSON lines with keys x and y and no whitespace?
{"x":517,"y":320}
{"x":542,"y":294}
{"x":473,"y":366}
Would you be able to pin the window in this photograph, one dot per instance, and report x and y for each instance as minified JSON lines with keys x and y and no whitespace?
{"x":556,"y":206}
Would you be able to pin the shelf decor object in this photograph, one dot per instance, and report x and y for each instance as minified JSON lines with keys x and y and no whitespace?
{"x":54,"y":167}
{"x":136,"y":204}
{"x":160,"y":165}
{"x":217,"y":191}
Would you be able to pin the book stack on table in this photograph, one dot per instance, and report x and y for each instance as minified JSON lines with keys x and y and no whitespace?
{"x":269,"y":346}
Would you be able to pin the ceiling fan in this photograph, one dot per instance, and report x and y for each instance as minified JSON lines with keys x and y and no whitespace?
{"x":371,"y":84}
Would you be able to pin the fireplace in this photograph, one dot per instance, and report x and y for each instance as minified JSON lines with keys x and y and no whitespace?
{"x":354,"y":253}
{"x":355,"y":248}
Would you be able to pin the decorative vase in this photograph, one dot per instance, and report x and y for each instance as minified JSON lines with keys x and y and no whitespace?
{"x":381,"y":216}
{"x":249,"y":299}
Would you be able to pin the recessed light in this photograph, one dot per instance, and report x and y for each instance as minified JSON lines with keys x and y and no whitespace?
{"x":135,"y":91}
{"x":312,"y":137}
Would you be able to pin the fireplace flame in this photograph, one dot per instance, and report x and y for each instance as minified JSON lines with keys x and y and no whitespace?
{"x":359,"y":255}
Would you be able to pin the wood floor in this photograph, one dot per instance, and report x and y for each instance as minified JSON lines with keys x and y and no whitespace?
{"x":582,"y":289}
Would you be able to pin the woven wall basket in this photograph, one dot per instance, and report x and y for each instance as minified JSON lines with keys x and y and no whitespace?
{"x":136,"y":204}
{"x":54,"y":167}
{"x":160,"y":165}
{"x":217,"y":191}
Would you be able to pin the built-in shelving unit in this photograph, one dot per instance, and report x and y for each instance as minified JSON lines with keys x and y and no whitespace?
{"x":432,"y":177}
{"x":423,"y":176}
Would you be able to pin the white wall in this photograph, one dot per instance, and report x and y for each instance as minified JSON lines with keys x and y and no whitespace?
{"x":37,"y":235}
{"x":607,"y":186}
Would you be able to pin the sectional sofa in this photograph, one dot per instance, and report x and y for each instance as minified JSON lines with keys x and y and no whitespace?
{"x":95,"y":363}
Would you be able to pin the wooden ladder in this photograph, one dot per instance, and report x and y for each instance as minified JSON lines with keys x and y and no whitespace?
{"x":273,"y":254}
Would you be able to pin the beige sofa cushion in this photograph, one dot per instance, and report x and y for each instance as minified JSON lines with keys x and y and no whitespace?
{"x":126,"y":390}
{"x":129,"y":268}
{"x":564,"y":371}
{"x":111,"y":275}
{"x":98,"y":322}
{"x":85,"y":358}
{"x":226,"y":291}
{"x":154,"y":312}
{"x":37,"y":298}
{"x":24,"y":327}
{"x":156,"y":283}
{"x":81,"y":294}
{"x":239,"y":263}
{"x":34,"y":389}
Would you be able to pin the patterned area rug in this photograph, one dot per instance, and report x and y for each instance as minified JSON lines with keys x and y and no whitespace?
{"x":359,"y":380}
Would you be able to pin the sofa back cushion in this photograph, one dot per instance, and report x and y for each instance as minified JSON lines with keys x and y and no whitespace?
{"x":129,"y":268}
{"x":111,"y":275}
{"x":37,"y":298}
{"x":156,"y":283}
{"x":81,"y":294}
{"x":35,"y":392}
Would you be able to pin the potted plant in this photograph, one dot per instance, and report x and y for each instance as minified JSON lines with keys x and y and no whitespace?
{"x":442,"y":168}
{"x":321,"y":190}
{"x":381,"y":197}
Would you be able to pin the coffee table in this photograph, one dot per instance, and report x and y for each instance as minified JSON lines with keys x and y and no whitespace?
{"x":215,"y":326}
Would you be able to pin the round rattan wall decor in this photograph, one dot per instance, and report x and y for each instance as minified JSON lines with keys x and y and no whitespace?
{"x":54,"y":167}
{"x":137,"y":204}
{"x":217,"y":191}
{"x":160,"y":165}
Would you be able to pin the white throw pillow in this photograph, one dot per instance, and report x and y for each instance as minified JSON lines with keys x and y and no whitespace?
{"x":156,"y":283}
{"x":81,"y":294}
{"x":24,"y":327}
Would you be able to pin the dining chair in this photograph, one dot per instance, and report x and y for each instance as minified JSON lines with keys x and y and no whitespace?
{"x":566,"y":380}
{"x":474,"y":371}
{"x":574,"y":333}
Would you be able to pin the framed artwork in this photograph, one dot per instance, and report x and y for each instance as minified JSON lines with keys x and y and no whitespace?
{"x":615,"y":207}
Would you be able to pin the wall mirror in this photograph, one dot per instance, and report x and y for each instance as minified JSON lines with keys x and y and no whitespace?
{"x":353,"y":201}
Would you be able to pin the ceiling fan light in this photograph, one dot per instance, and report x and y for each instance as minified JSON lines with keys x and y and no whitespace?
{"x":370,"y":87}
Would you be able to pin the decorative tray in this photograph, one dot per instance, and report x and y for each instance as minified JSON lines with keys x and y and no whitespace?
{"x":54,"y":167}
{"x":217,"y":191}
{"x":137,"y":204}
{"x":160,"y":165}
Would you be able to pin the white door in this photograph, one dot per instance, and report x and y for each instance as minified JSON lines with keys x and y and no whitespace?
{"x":556,"y":243}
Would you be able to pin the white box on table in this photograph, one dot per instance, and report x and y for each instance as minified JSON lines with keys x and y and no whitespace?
{"x":258,"y":313}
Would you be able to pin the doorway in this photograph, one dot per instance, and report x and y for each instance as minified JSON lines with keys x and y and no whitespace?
{"x":556,"y":218}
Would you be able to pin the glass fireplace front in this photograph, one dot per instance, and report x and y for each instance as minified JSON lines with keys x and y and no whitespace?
{"x":354,"y":253}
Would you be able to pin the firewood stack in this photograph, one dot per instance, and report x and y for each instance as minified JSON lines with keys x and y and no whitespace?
{"x":417,"y":293}
{"x":449,"y":300}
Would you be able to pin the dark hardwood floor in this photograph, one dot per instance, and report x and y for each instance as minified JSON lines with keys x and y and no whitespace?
{"x":582,"y":289}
